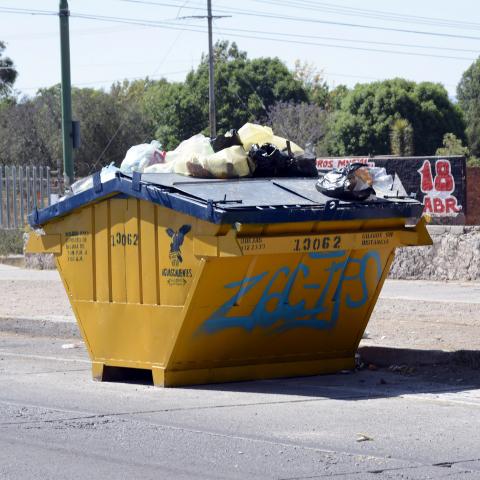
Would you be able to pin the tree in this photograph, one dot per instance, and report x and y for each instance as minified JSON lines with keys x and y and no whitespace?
{"x":8,"y":74}
{"x":362,"y":125}
{"x":313,"y":83}
{"x":468,"y":96}
{"x":245,"y":90}
{"x":302,"y":123}
{"x":335,"y":97}
{"x":30,"y":130}
{"x":401,"y":138}
{"x":451,"y":146}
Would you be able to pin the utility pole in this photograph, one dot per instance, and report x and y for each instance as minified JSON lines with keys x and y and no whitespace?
{"x":67,"y":128}
{"x":211,"y":73}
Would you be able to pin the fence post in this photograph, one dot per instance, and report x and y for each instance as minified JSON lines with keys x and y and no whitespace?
{"x":48,"y":186}
{"x":22,"y":205}
{"x":34,"y":180}
{"x":1,"y":196}
{"x":40,"y":175}
{"x":14,"y":196}
{"x":27,"y":179}
{"x":7,"y":192}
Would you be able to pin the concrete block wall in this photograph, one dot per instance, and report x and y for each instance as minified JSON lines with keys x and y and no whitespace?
{"x":454,"y":255}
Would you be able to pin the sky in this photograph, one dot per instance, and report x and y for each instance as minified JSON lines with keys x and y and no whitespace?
{"x":347,"y":41}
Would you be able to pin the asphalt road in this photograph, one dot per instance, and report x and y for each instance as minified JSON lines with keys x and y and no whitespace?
{"x":56,"y":423}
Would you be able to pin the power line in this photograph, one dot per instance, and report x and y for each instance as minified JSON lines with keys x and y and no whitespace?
{"x":26,"y":11}
{"x":313,"y":20}
{"x":368,"y":13}
{"x":199,"y":29}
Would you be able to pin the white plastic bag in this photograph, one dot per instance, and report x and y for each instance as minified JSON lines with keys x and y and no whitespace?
{"x":142,"y":156}
{"x":382,"y":183}
{"x":106,"y":174}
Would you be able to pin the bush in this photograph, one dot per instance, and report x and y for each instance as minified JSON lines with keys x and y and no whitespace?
{"x":11,"y":242}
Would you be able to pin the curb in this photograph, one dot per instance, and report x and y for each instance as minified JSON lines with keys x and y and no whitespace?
{"x":13,"y":260}
{"x":388,"y":356}
{"x":36,"y":327}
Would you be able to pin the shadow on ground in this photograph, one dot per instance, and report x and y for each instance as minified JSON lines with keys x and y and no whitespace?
{"x":457,"y":372}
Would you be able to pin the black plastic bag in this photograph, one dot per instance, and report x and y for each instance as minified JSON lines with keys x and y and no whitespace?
{"x":303,"y":166}
{"x":353,"y":182}
{"x":226,"y":140}
{"x":268,"y":161}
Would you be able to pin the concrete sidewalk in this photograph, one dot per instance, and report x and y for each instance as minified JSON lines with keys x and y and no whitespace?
{"x":413,"y":322}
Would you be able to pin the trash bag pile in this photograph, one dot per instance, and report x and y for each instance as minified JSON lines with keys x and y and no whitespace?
{"x":252,"y":151}
{"x":355,"y":182}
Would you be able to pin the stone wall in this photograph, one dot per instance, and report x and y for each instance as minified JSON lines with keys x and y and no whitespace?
{"x":37,"y":261}
{"x":473,"y":196}
{"x":454,"y":255}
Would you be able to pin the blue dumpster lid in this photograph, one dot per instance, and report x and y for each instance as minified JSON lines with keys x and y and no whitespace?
{"x":248,"y":200}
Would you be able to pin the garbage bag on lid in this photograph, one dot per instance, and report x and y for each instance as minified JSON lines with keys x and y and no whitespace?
{"x":304,"y":165}
{"x":230,"y":162}
{"x":353,"y":182}
{"x":252,"y":133}
{"x":189,"y":150}
{"x":142,"y":156}
{"x":229,"y":139}
{"x":268,"y":161}
{"x":281,"y":144}
{"x":227,"y":163}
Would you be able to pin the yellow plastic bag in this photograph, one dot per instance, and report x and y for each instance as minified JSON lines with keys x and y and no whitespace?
{"x":281,"y":144}
{"x":230,"y":162}
{"x":252,"y":133}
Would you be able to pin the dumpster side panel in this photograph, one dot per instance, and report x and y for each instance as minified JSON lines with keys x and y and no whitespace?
{"x":117,"y":256}
{"x":149,"y":255}
{"x":178,"y":264}
{"x":76,"y":261}
{"x":283,"y":308}
{"x":133,"y":252}
{"x":129,"y":335}
{"x":102,"y":262}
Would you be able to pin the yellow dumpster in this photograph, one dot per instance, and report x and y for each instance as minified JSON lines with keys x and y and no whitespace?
{"x":205,"y":281}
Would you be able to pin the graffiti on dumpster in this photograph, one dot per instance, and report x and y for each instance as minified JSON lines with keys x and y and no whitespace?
{"x":285,"y":316}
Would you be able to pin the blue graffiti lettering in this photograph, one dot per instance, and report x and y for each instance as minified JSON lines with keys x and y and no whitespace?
{"x":274,"y":311}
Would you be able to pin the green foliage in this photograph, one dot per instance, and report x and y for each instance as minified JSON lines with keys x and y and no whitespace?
{"x":473,"y":162}
{"x":30,"y":129}
{"x":11,"y":242}
{"x":451,"y":146}
{"x":468,"y":96}
{"x":244,"y":92}
{"x":401,"y":138}
{"x":362,"y":124}
{"x":335,"y":97}
{"x":8,"y":74}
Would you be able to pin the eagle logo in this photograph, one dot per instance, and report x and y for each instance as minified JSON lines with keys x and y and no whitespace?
{"x":177,"y":241}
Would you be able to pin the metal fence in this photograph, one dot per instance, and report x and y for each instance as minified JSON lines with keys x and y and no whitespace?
{"x":21,"y":190}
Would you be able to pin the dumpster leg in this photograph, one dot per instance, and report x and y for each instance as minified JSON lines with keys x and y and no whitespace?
{"x":158,"y":376}
{"x":97,"y":371}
